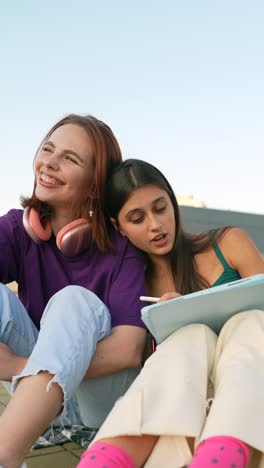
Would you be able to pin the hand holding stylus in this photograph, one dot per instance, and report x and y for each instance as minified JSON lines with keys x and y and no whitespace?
{"x":165,"y":297}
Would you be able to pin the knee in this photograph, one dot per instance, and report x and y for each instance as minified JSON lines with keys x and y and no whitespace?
{"x":243,"y":327}
{"x":6,"y":295}
{"x":192,"y":332}
{"x":246,"y":317}
{"x":75,"y":303}
{"x":197,"y":334}
{"x":5,"y":291}
{"x":73,"y":294}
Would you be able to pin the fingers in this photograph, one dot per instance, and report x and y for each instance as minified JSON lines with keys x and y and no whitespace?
{"x":169,"y":295}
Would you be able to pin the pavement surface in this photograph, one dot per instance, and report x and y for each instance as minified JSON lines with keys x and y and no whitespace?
{"x":63,"y":456}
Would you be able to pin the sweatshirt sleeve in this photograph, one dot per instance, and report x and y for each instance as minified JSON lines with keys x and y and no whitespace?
{"x":127,"y":286}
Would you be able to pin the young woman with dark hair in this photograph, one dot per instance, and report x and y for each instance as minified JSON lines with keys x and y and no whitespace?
{"x":164,"y":413}
{"x":73,"y":341}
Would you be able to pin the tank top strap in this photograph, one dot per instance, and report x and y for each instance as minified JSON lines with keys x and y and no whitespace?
{"x":220,"y":256}
{"x":218,"y":251}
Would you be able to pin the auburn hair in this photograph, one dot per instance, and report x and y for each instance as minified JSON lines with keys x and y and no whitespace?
{"x":106,"y":153}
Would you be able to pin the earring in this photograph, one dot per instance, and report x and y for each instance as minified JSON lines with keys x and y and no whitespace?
{"x":91,"y":210}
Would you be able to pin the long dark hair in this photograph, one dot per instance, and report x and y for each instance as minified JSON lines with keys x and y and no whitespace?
{"x":132,"y":174}
{"x":106,"y":152}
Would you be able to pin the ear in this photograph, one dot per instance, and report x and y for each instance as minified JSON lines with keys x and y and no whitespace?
{"x":115,"y":224}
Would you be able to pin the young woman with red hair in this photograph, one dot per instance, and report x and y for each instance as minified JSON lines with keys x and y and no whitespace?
{"x":72,"y":342}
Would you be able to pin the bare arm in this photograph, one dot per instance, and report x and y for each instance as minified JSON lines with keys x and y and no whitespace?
{"x":121,"y":350}
{"x":241,"y":253}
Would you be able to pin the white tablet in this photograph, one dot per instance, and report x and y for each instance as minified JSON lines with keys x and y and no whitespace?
{"x":212,"y":307}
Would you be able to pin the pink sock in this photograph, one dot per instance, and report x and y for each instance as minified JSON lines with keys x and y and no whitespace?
{"x":102,"y":455}
{"x":221,"y":452}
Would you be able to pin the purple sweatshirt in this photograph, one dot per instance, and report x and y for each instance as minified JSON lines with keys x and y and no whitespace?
{"x":41,"y":270}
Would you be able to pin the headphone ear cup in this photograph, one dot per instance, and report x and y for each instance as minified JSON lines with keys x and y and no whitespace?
{"x":75,"y":237}
{"x":33,"y":226}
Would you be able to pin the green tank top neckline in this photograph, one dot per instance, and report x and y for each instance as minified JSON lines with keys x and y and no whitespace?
{"x":229,"y":274}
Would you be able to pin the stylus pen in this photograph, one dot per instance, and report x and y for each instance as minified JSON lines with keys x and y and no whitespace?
{"x":149,"y":299}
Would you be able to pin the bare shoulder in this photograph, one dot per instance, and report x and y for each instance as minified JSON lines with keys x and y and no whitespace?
{"x":235,"y":237}
{"x":241,"y":252}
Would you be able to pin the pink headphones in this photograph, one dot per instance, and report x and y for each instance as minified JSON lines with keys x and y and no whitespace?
{"x":72,"y":239}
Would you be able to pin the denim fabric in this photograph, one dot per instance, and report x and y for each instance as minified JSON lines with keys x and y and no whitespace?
{"x":16,"y":328}
{"x":74,"y":320}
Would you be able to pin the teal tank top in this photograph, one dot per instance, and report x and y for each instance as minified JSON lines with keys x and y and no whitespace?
{"x":229,"y":274}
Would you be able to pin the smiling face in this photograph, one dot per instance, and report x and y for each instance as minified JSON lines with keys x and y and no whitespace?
{"x":64,"y":167}
{"x":147,"y":219}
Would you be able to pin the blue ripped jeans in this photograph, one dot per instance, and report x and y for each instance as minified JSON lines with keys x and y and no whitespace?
{"x":73,"y":322}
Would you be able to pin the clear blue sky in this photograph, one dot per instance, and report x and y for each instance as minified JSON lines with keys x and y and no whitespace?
{"x":181,"y":83}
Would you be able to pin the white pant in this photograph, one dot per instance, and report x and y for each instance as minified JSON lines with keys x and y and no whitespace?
{"x":169,"y":397}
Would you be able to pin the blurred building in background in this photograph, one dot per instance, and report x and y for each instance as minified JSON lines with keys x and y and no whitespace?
{"x":190,"y":200}
{"x":202,"y":219}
